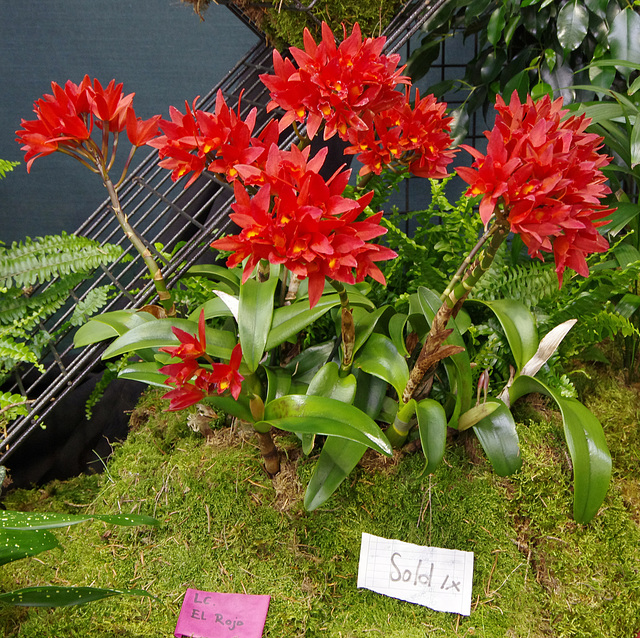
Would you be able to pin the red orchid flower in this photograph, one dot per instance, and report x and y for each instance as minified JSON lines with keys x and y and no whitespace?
{"x":191,"y":346}
{"x":545,"y":173}
{"x":226,"y":376}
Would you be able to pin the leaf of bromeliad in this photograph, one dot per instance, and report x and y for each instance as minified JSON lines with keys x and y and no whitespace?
{"x":339,"y":457}
{"x":381,"y":358}
{"x":16,"y":544}
{"x":321,"y":415}
{"x":587,"y":447}
{"x":432,"y":426}
{"x":158,"y":334}
{"x":54,"y":596}
{"x":255,"y":314}
{"x":499,"y":439}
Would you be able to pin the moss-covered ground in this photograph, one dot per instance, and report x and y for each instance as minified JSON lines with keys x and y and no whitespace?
{"x":226,"y":527}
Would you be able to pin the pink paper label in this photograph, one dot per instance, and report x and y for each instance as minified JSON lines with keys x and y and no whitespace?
{"x":211,"y":615}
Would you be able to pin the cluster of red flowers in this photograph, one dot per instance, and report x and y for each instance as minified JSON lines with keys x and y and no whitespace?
{"x":302,"y":221}
{"x":334,"y":85}
{"x":194,"y":382}
{"x":545,"y":173}
{"x":414,"y":135}
{"x":199,"y":140}
{"x":65,"y":121}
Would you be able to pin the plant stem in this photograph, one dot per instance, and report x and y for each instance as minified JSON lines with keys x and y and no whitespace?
{"x":156,"y":274}
{"x":453,"y":297}
{"x":348,"y":329}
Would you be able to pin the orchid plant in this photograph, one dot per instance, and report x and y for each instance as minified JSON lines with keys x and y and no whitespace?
{"x":305,"y":248}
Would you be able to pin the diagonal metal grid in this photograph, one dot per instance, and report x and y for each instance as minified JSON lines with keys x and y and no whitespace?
{"x":161,"y":211}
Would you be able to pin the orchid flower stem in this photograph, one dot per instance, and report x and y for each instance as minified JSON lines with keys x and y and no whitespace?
{"x":348,"y":329}
{"x":397,"y":432}
{"x":156,"y":274}
{"x":304,"y":140}
{"x":472,"y":268}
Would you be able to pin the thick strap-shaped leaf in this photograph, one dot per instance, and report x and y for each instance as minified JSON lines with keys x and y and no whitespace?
{"x":290,"y":320}
{"x":432,"y":426}
{"x":519,"y":327}
{"x":397,"y":324}
{"x":109,"y":325}
{"x":365,"y":323}
{"x":230,"y":277}
{"x":158,"y":334}
{"x":321,"y":415}
{"x":254,"y":318}
{"x":338,"y":457}
{"x":304,"y":366}
{"x":16,"y":544}
{"x":278,"y":382}
{"x":499,"y":439}
{"x":587,"y":447}
{"x":381,"y":358}
{"x":45,"y":520}
{"x":145,"y":372}
{"x":54,"y":596}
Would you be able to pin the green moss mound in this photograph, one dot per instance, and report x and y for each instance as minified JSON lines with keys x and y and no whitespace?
{"x":227,"y":527}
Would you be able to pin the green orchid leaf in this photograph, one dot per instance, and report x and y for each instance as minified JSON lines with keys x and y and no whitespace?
{"x":397,"y":324}
{"x":234,"y":407}
{"x":432,"y":426}
{"x":54,"y":596}
{"x":339,"y":457}
{"x":365,"y":323}
{"x":458,"y":366}
{"x":255,"y":314}
{"x":38,"y":521}
{"x":587,"y":447}
{"x":573,"y":24}
{"x":19,"y":543}
{"x":327,"y":382}
{"x":158,"y":334}
{"x":224,"y":305}
{"x":381,"y":358}
{"x":322,"y":415}
{"x":278,"y":382}
{"x":144,"y":372}
{"x":499,"y":439}
{"x":109,"y":325}
{"x":476,"y":414}
{"x":519,"y":327}
{"x":230,"y":277}
{"x":290,"y":320}
{"x":304,"y":366}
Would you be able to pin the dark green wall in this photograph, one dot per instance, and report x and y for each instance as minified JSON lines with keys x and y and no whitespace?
{"x":159,"y":49}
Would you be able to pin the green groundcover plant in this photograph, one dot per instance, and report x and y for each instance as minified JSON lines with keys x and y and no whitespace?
{"x":387,"y":375}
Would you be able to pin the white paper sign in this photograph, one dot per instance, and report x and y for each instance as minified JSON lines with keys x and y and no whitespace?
{"x":437,"y":578}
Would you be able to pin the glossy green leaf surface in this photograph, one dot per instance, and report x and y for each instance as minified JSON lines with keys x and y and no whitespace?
{"x":144,"y":372}
{"x":381,"y":358}
{"x":254,"y":318}
{"x":278,"y":382}
{"x":34,"y":520}
{"x":109,"y":325}
{"x":499,"y":439}
{"x":587,"y":447}
{"x":304,"y":366}
{"x":339,"y":457}
{"x":432,"y":426}
{"x":322,"y":415}
{"x":158,"y":334}
{"x":573,"y":24}
{"x":19,"y":543}
{"x":328,"y":383}
{"x":519,"y":327}
{"x":54,"y":596}
{"x":624,"y":38}
{"x":290,"y":320}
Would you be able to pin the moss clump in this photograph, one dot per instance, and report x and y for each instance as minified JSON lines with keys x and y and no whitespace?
{"x":284,"y":23}
{"x":226,"y":527}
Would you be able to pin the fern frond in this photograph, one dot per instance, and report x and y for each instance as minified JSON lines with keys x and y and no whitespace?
{"x":13,"y":352}
{"x":26,"y":312}
{"x":6,"y":167}
{"x":38,"y":260}
{"x":93,"y":301}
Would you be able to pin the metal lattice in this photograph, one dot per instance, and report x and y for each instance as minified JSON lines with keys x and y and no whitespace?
{"x":160,"y":211}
